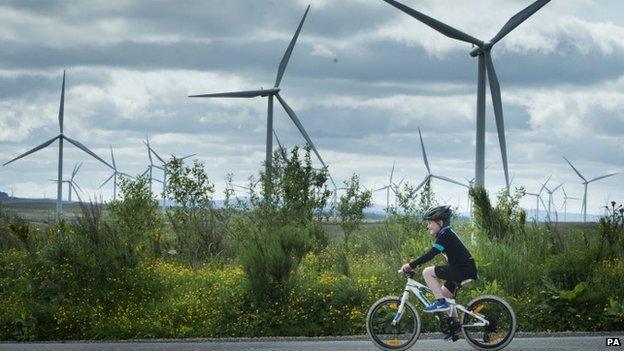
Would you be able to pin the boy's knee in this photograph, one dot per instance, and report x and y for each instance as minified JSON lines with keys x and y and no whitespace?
{"x":429,"y":272}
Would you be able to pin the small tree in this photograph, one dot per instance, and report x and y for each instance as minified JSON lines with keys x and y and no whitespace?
{"x":611,"y":229}
{"x":500,"y":221}
{"x":351,"y":211}
{"x":194,"y":219}
{"x":136,"y":214}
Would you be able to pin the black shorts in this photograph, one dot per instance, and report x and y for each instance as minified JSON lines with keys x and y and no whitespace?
{"x":453,"y":276}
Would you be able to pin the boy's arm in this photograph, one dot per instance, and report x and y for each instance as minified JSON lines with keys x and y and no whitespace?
{"x":428,"y":256}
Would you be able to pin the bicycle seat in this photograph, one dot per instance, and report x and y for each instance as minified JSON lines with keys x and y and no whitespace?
{"x":462,"y":283}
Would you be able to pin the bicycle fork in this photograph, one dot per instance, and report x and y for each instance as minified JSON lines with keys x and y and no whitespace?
{"x":399,"y":313}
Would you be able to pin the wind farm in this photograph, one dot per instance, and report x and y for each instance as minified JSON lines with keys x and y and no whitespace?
{"x":247,"y":169}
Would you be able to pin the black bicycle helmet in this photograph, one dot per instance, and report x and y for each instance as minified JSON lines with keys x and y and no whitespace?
{"x":439,"y":213}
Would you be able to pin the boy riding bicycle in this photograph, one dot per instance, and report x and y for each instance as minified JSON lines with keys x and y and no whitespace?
{"x":461,"y":266}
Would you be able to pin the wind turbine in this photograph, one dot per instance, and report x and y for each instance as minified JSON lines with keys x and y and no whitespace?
{"x":71,"y":183}
{"x":550,"y":196}
{"x":482,"y":50}
{"x":388,"y":187}
{"x":585,"y":183}
{"x":271,"y":93}
{"x":60,"y":137}
{"x":429,"y":174}
{"x":114,"y":175}
{"x":565,"y":204}
{"x":163,"y":167}
{"x":151,"y":166}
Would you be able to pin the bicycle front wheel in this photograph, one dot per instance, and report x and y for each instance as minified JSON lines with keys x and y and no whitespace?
{"x":501,"y":326}
{"x":392,"y":337}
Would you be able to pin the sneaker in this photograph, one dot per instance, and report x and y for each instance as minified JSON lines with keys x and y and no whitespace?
{"x":438,"y":306}
{"x":452,"y":337}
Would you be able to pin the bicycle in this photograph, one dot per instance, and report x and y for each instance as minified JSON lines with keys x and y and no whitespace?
{"x":487,"y":323}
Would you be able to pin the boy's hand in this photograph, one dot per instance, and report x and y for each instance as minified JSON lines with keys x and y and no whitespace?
{"x":406,"y":268}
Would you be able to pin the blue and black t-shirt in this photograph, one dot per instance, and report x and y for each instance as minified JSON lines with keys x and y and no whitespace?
{"x":449,"y":244}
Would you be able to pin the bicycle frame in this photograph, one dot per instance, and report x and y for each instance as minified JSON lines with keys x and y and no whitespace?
{"x":419,"y":290}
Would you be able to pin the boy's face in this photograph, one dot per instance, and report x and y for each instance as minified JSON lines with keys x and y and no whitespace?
{"x":434,"y":226}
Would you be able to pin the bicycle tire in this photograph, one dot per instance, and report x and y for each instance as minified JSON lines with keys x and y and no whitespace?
{"x":376,"y":315}
{"x":492,"y":302}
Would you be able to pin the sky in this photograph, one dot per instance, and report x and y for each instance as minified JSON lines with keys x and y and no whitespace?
{"x":362,"y":78}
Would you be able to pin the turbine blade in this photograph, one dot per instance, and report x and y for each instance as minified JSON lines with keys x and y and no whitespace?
{"x":294,"y":118}
{"x":75,"y":185}
{"x":449,"y":180}
{"x":424,"y":153}
{"x":557,"y":187}
{"x":107,"y":180}
{"x":518,"y":18}
{"x":602,"y":177}
{"x":235,"y":94}
{"x":85,"y":149}
{"x":33,"y":150}
{"x":77,"y":169}
{"x":286,"y":57}
{"x":279,"y":144}
{"x":392,"y":172}
{"x":498,"y":112}
{"x":157,"y":155}
{"x":185,"y":157}
{"x":575,"y":170}
{"x":435,"y":24}
{"x":420,"y":185}
{"x":62,"y":105}
{"x":113,"y":157}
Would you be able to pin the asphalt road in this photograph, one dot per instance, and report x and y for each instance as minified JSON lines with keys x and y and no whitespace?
{"x":518,"y":344}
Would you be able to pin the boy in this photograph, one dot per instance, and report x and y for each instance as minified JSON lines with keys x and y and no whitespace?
{"x":461,"y":266}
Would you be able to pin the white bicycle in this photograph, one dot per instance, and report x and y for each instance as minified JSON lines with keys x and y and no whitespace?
{"x":487,"y":323}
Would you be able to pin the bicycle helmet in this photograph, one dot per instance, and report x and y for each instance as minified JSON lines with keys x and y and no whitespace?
{"x":439,"y":213}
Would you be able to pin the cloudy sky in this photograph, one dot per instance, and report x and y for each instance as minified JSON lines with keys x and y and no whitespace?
{"x":363,"y":76}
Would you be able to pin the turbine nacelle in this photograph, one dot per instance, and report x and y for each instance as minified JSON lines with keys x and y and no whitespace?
{"x":267,"y":92}
{"x":480,"y":50}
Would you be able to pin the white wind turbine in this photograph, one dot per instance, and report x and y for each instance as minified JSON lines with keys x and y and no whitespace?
{"x":163,"y":168}
{"x":114,"y":175}
{"x":60,"y":137}
{"x":550,"y":197}
{"x":565,"y":204}
{"x":71,"y":183}
{"x":485,"y":64}
{"x":585,"y":183}
{"x":388,"y":187}
{"x":275,"y":93}
{"x":429,"y":174}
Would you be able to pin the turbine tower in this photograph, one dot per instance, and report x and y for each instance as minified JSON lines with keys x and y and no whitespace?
{"x":482,"y":50}
{"x":271,"y":93}
{"x":585,"y":183}
{"x":565,"y":204}
{"x":60,"y":137}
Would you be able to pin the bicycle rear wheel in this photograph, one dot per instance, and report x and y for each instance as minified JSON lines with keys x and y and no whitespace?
{"x":392,"y":337}
{"x":501,"y":328}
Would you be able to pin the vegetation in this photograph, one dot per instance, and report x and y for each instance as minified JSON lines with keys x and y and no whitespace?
{"x":270,"y":265}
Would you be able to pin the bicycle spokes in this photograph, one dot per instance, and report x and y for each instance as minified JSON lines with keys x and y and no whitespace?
{"x":499,"y":327}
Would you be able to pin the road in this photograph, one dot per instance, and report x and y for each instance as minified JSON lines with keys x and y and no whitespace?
{"x":568,"y":343}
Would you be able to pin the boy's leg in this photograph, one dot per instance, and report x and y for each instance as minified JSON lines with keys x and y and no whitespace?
{"x":432,"y":282}
{"x":449,"y":295}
